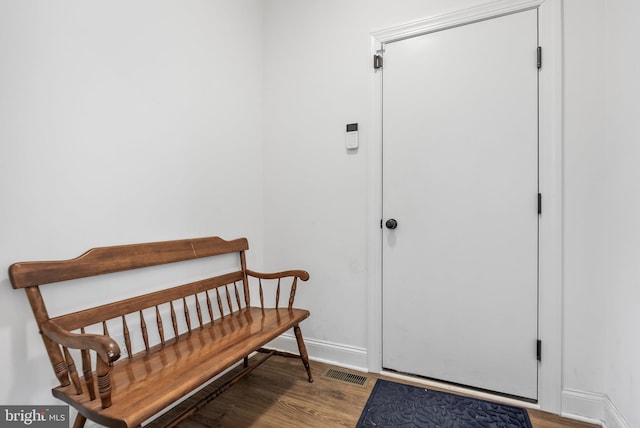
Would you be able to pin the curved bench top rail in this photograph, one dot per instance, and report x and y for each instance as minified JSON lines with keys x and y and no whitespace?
{"x":103,"y":260}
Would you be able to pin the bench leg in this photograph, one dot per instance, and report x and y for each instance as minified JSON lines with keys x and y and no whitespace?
{"x":80,"y":420}
{"x":303,"y":351}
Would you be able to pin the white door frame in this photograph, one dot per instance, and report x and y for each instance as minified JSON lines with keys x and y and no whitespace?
{"x":550,"y":134}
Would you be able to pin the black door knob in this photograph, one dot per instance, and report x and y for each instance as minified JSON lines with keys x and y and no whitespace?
{"x":391,"y":223}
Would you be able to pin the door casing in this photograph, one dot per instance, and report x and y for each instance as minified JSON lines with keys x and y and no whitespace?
{"x":550,"y":134}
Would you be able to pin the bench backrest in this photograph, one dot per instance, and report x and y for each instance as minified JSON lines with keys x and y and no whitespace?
{"x":228,"y":292}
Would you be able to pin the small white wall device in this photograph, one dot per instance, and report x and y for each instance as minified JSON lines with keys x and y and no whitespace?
{"x":352,"y":136}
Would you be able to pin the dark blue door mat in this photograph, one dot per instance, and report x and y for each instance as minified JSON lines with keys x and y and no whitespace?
{"x":396,"y":405}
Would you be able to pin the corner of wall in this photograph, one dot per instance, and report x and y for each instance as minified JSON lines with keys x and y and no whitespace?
{"x":612,"y":416}
{"x":591,"y":407}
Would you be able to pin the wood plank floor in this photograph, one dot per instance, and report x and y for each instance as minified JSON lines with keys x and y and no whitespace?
{"x":277,"y":394}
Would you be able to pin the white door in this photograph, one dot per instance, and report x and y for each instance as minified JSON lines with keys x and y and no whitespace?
{"x":460,"y":177}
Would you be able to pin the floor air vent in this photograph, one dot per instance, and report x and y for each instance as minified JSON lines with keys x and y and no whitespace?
{"x":345,"y":377}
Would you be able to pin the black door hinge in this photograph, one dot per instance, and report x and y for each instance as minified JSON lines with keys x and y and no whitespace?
{"x":539,"y":56}
{"x":539,"y":203}
{"x":539,"y":350}
{"x":377,"y":61}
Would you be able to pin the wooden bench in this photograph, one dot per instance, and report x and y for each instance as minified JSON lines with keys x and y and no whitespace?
{"x":222,"y":328}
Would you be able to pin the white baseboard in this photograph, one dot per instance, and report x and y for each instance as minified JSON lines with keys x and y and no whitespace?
{"x":612,"y":416}
{"x":325,"y":352}
{"x":582,"y":405}
{"x":593,"y":408}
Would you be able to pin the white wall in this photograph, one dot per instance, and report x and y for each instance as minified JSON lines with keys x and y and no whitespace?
{"x":316,"y":208}
{"x":583,"y":329}
{"x":621,"y":206}
{"x":134,"y":121}
{"x":121,"y":122}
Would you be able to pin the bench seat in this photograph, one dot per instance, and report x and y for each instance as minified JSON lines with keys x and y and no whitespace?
{"x":158,"y":377}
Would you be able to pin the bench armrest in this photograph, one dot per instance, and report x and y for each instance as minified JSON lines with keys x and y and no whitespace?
{"x":107,"y":349}
{"x":303,"y":275}
{"x":104,"y":346}
{"x":294,"y":274}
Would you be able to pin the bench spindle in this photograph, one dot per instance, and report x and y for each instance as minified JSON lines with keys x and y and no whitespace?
{"x":105,"y":330}
{"x":143,"y":327}
{"x":86,"y":370}
{"x":235,"y":286}
{"x":174,"y":320}
{"x":278,"y":294}
{"x":226,"y":290}
{"x":104,"y":382}
{"x":60,"y":370}
{"x":219,"y":303}
{"x":71,"y":368}
{"x":261,"y":293}
{"x":127,"y":336}
{"x":187,"y":318}
{"x":159,"y":324}
{"x":209,"y":307}
{"x":198,"y":310}
{"x":292,"y":294}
